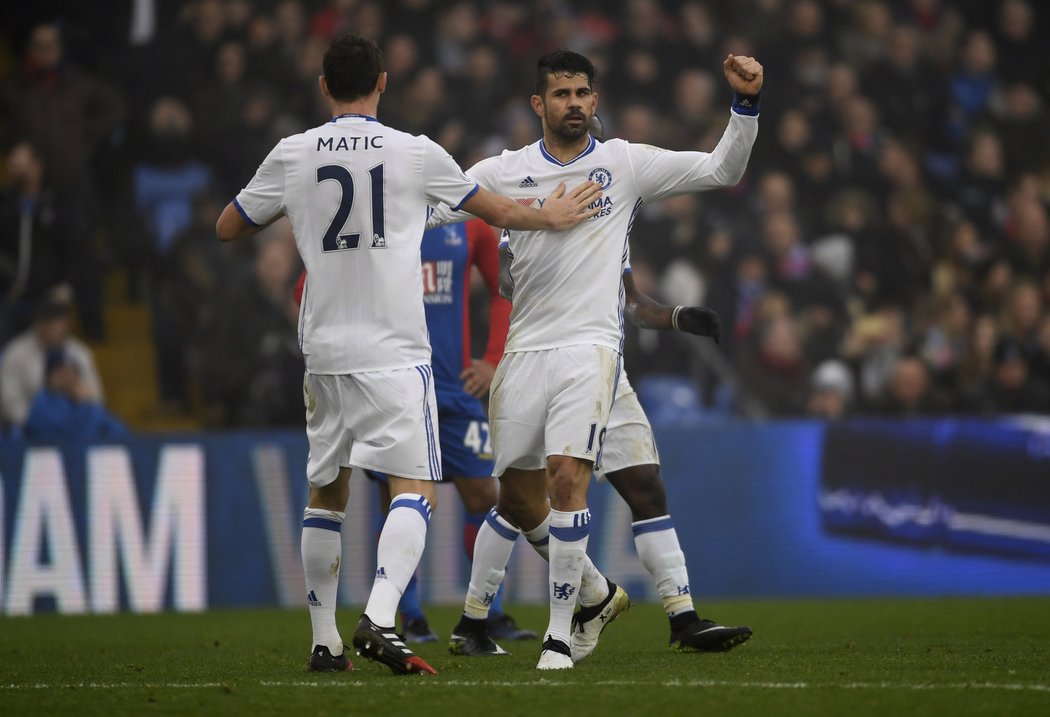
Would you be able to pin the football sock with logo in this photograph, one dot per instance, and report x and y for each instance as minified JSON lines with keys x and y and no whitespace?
{"x":322,"y":549}
{"x":409,"y":607}
{"x":472,"y":523}
{"x":400,"y":545}
{"x":491,"y":553}
{"x":593,"y":586}
{"x":569,"y":531}
{"x":660,"y":553}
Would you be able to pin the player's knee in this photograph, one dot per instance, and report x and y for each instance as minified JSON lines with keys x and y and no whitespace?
{"x":424,"y":488}
{"x":513,"y":508}
{"x":569,"y":478}
{"x":332,"y":496}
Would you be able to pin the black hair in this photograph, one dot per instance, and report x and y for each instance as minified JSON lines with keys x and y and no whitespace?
{"x":563,"y":62}
{"x":352,"y":65}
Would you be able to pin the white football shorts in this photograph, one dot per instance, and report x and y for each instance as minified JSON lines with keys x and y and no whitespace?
{"x":380,"y":420}
{"x":629,"y":438}
{"x":551,"y":402}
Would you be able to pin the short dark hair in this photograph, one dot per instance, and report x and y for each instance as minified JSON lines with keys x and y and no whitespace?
{"x":352,"y":65}
{"x":563,"y":62}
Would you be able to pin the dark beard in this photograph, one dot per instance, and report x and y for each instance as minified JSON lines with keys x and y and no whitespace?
{"x":567,"y":133}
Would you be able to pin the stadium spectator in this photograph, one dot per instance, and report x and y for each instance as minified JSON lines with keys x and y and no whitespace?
{"x":1012,"y":387}
{"x":70,"y":117}
{"x":189,"y":46}
{"x":1022,"y":53}
{"x":169,"y":176}
{"x":975,"y":82}
{"x":38,"y":237}
{"x":251,"y":366}
{"x":188,"y":284}
{"x":1028,"y":239}
{"x":831,"y":391}
{"x":946,"y":341}
{"x":63,"y":410}
{"x":976,"y":366}
{"x":1041,"y":355}
{"x":46,"y":357}
{"x":910,"y":391}
{"x":934,"y":112}
{"x":911,"y":92}
{"x":775,"y":370}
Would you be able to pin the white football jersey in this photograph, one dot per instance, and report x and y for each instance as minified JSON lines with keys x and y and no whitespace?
{"x":357,"y":195}
{"x":567,"y":285}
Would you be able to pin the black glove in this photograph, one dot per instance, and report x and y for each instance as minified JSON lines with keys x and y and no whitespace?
{"x":697,"y":320}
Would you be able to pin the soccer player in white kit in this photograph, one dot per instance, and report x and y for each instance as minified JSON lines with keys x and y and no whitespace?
{"x":553,"y":390}
{"x":357,"y":195}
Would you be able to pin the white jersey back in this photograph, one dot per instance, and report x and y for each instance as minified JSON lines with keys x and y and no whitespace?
{"x":357,"y":195}
{"x":567,"y":285}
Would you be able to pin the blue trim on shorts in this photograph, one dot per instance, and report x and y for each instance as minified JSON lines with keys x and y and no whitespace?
{"x":569,"y":535}
{"x":653,"y":527}
{"x":501,"y":530}
{"x":616,"y":385}
{"x":435,"y":464}
{"x":324,"y":524}
{"x":420,"y":505}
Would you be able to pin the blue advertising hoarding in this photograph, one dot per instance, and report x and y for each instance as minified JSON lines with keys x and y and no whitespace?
{"x":189,"y":522}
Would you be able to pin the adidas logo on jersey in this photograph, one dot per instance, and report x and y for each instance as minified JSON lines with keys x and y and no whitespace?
{"x":528,"y":182}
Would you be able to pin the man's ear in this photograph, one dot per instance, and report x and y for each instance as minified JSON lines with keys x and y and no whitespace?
{"x":537,"y":105}
{"x":324,"y":86}
{"x":381,"y":82}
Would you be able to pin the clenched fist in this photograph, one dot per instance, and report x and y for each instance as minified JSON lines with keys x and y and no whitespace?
{"x":743,"y":73}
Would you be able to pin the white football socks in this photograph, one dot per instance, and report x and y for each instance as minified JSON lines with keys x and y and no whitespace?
{"x":660,"y":553}
{"x":400,"y":545}
{"x":593,"y":586}
{"x":322,"y":549}
{"x":492,"y":550}
{"x":569,"y":531}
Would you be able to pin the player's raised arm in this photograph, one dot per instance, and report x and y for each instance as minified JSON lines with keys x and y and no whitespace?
{"x":661,"y":173}
{"x":647,"y":313}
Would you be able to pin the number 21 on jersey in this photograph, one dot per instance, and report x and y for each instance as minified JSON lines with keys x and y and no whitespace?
{"x":334,"y":239}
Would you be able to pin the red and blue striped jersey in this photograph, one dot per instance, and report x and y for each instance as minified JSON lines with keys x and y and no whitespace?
{"x":447,"y":254}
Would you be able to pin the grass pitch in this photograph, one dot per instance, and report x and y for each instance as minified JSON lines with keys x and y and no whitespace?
{"x":845,"y":657}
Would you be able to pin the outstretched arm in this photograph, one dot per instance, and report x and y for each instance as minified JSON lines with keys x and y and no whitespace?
{"x":232,"y":224}
{"x":647,"y":313}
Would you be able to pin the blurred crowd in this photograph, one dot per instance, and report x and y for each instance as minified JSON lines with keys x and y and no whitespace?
{"x":888,"y":251}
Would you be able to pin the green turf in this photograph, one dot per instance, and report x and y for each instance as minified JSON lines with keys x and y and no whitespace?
{"x":878,"y":657}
